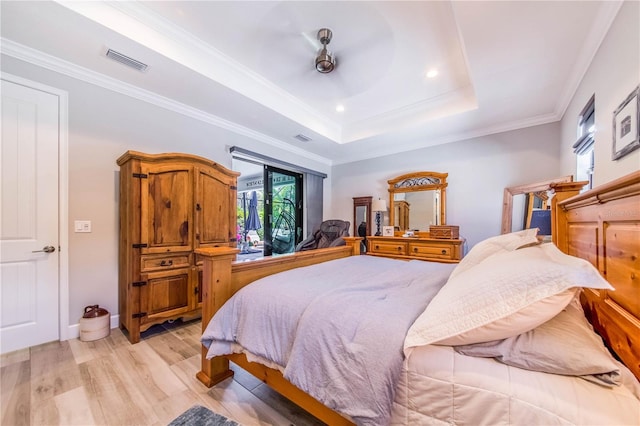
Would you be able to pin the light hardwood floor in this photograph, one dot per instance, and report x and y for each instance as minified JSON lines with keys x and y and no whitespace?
{"x":111,"y":382}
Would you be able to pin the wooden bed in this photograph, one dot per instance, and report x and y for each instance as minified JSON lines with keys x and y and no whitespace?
{"x":601,"y":225}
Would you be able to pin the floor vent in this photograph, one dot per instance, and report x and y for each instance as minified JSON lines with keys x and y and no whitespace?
{"x":124,"y":59}
{"x":302,"y":138}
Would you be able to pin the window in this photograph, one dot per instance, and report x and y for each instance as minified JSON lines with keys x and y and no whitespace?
{"x":583,"y":148}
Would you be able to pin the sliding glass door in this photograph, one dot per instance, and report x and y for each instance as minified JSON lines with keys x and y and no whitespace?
{"x":282,"y":210}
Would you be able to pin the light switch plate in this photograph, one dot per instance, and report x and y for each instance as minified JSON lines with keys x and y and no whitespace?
{"x":82,"y":226}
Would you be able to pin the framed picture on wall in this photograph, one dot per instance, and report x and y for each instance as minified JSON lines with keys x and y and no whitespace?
{"x":387,"y":231}
{"x":626,"y":137}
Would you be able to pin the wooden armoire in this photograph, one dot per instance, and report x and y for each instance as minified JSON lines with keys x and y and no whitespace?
{"x":170,"y":204}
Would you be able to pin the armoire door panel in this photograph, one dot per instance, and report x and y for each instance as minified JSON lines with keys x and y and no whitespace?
{"x":165,"y":294}
{"x":212,"y":210}
{"x":166,"y":209}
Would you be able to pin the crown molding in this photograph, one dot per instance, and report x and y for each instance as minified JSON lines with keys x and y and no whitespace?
{"x":446,"y":104}
{"x":142,"y":25}
{"x":605,"y":17}
{"x":458,"y":137}
{"x":52,"y":63}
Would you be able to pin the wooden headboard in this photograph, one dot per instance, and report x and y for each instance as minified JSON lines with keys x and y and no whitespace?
{"x":603,"y":226}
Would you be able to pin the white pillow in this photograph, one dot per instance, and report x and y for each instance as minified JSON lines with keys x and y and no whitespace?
{"x":498,"y":244}
{"x":503,"y":296}
{"x":566,"y":344}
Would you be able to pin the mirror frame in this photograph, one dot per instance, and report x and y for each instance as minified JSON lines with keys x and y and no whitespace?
{"x":419,"y":181}
{"x":362,"y":202}
{"x":507,"y":199}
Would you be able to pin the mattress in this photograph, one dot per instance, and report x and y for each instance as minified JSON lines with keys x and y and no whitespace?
{"x":440,"y":386}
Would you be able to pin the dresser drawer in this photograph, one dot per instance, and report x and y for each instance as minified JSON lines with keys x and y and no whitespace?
{"x":157,"y":263}
{"x":388,"y":247}
{"x":431,"y":251}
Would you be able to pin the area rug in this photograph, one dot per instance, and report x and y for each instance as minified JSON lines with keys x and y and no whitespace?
{"x":201,"y":416}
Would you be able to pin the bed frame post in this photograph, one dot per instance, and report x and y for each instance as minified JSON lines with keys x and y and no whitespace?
{"x":562,"y":191}
{"x":216,"y":289}
{"x":354,"y":243}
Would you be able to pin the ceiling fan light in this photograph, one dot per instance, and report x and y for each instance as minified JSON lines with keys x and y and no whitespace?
{"x":325,"y":62}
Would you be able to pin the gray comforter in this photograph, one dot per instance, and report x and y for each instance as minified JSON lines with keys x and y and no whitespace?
{"x":336,"y":329}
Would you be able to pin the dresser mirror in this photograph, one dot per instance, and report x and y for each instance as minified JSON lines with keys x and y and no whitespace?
{"x":417,"y":201}
{"x":362,"y":216}
{"x":520,"y":202}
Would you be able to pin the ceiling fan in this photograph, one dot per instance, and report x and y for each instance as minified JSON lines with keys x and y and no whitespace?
{"x":325,"y":61}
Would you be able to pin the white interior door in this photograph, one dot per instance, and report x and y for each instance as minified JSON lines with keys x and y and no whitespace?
{"x":29,"y":259}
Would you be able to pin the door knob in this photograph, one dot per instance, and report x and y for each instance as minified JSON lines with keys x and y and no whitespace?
{"x":45,"y":249}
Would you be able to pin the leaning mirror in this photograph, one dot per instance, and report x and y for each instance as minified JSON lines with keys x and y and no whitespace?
{"x":417,"y":201}
{"x":523,"y":205}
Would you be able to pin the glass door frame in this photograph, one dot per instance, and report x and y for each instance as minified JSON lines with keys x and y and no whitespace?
{"x":296,"y":215}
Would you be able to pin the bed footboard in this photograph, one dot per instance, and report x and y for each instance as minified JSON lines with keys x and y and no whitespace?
{"x":222,"y":277}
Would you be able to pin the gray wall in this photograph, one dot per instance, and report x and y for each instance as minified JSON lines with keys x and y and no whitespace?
{"x":612,"y":75}
{"x":479,"y":170}
{"x":102,"y":126}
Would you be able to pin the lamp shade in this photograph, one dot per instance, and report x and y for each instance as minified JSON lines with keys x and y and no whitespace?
{"x":379,"y":205}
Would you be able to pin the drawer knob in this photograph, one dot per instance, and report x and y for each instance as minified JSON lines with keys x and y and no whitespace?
{"x":415,"y":249}
{"x":377,"y":247}
{"x":444,"y":252}
{"x":399,"y":248}
{"x":166,"y":263}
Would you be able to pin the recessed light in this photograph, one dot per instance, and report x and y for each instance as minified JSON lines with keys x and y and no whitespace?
{"x":340,"y":108}
{"x":432,"y":73}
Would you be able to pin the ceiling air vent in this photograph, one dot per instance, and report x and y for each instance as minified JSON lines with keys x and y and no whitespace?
{"x":302,"y":138}
{"x":124,"y":59}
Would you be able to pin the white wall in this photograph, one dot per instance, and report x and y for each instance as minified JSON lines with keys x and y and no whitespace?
{"x":612,"y":75}
{"x":102,"y":126}
{"x":479,"y":170}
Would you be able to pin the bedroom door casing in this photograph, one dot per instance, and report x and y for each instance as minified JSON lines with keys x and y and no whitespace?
{"x":29,"y":233}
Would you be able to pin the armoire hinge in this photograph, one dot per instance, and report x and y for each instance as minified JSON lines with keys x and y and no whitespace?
{"x":142,"y":245}
{"x":139,"y":315}
{"x":196,"y":290}
{"x":140,"y":175}
{"x":138,"y":283}
{"x":233,"y":188}
{"x":233,"y":240}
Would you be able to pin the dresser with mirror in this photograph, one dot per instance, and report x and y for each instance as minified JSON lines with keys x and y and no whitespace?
{"x":417,"y":202}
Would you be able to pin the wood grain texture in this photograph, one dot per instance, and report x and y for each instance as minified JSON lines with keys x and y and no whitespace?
{"x":170,"y":204}
{"x":603,"y":226}
{"x":15,"y":385}
{"x":580,"y":223}
{"x":423,"y":248}
{"x":112,"y":382}
{"x":223,"y":277}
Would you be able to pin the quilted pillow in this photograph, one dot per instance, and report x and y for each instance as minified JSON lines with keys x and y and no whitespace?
{"x":566,"y":344}
{"x":498,"y":244}
{"x":505,"y":295}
